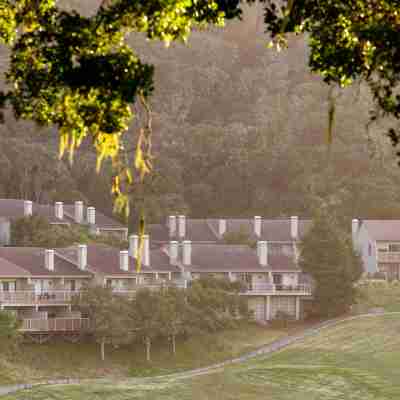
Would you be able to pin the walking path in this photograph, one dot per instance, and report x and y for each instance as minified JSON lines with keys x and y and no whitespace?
{"x":267,"y":349}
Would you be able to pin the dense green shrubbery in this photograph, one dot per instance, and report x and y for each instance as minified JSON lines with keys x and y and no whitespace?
{"x":209,"y":305}
{"x":239,"y":237}
{"x":36,"y":231}
{"x":9,"y":334}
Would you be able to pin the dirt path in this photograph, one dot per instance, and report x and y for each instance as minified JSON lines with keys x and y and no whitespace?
{"x":267,"y":349}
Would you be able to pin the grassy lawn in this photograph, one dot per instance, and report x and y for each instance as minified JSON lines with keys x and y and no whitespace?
{"x":379,"y":294}
{"x":60,"y":360}
{"x":352,"y":361}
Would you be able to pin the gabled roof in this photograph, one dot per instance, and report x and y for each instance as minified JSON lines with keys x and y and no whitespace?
{"x":383,"y":229}
{"x":14,"y":209}
{"x":235,"y":258}
{"x":9,"y":269}
{"x":105,"y":260}
{"x":282,"y":262}
{"x":102,"y":220}
{"x":279,"y":229}
{"x":158,"y":233}
{"x":197,"y":230}
{"x":206,"y":230}
{"x":31,"y":260}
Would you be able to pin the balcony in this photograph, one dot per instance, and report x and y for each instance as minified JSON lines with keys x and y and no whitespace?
{"x":54,"y":325}
{"x":389,"y":257}
{"x":130,"y":292}
{"x":280,"y":290}
{"x":29,"y":297}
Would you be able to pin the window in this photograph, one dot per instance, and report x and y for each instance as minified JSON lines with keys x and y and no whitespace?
{"x":7,"y":286}
{"x":394,"y":247}
{"x":277,"y":278}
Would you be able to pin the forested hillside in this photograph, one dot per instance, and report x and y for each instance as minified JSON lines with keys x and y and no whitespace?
{"x":238,"y":130}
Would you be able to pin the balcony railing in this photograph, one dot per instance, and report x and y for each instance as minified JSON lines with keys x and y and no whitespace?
{"x":389,"y":257}
{"x":30,"y":297}
{"x":151,"y":285}
{"x":54,"y":325}
{"x":43,"y":298}
{"x":269,"y":288}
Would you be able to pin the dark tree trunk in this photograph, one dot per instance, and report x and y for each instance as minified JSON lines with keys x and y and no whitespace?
{"x":102,"y":349}
{"x":147,"y":342}
{"x":173,"y":340}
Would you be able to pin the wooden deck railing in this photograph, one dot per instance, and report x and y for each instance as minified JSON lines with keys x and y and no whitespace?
{"x":269,"y":288}
{"x":389,"y":257}
{"x":54,"y":325}
{"x":30,"y":297}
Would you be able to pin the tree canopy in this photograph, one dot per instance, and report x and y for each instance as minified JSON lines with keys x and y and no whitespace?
{"x":78,"y":73}
{"x":349,"y":41}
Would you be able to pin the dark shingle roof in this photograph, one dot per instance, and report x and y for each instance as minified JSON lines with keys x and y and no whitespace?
{"x":102,"y":220}
{"x":206,"y":230}
{"x":105,"y":259}
{"x":198,"y":230}
{"x":158,"y":233}
{"x":277,"y":230}
{"x":14,"y":208}
{"x":235,"y":258}
{"x":282,"y":262}
{"x":31,"y":259}
{"x":9,"y":269}
{"x":383,"y":229}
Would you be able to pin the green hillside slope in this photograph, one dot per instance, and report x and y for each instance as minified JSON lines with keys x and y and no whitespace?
{"x":354,"y":360}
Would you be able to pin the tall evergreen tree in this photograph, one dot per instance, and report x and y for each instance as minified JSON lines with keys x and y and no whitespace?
{"x":327,"y":255}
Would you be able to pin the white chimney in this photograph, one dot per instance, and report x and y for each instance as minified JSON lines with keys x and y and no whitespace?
{"x":124,"y":260}
{"x":263,"y":253}
{"x":296,"y":252}
{"x":59,"y":210}
{"x":294,"y":227}
{"x":354,"y":228}
{"x":172,"y":225}
{"x":257,"y":226}
{"x":146,"y":250}
{"x":49,"y":259}
{"x":187,"y":252}
{"x":82,"y":256}
{"x":182,"y":226}
{"x":78,"y":212}
{"x":91,"y":215}
{"x":221,"y":227}
{"x":173,"y":252}
{"x":133,"y":245}
{"x":27,"y":208}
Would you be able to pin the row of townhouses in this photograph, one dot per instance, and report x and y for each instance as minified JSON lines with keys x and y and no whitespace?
{"x":38,"y":284}
{"x":58,"y":214}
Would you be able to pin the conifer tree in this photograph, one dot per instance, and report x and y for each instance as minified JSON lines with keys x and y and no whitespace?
{"x":328,"y":256}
